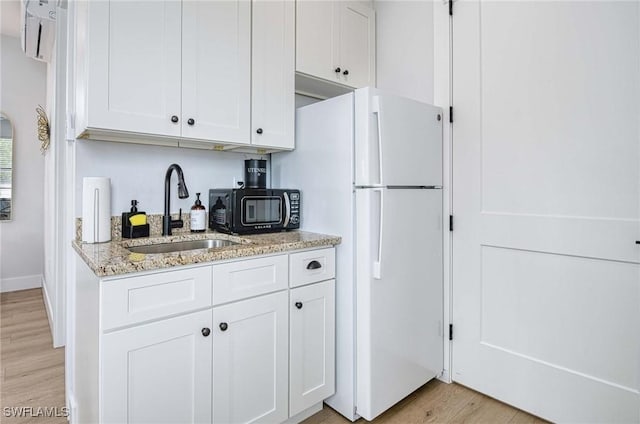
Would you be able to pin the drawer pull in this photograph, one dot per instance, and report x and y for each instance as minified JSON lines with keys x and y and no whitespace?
{"x":314,"y":265}
{"x":224,"y":326}
{"x":298,"y":305}
{"x":206,"y":332}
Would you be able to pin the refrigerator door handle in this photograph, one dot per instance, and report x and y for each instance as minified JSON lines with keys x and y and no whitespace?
{"x":377,"y":264}
{"x":375,"y":107}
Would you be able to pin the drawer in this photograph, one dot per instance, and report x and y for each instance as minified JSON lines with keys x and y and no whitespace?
{"x":312,"y":266}
{"x":252,"y":277}
{"x":135,"y":299}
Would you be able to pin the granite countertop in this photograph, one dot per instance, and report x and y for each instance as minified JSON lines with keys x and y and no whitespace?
{"x":112,"y":258}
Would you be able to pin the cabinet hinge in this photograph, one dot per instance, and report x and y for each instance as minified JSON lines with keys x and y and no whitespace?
{"x":450,"y":7}
{"x":451,"y":114}
{"x":450,"y":222}
{"x":450,"y":331}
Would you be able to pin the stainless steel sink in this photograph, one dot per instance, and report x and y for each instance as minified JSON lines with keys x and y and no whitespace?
{"x":181,"y":246}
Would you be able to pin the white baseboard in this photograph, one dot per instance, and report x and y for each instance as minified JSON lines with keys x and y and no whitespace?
{"x":48,"y":307}
{"x":20,"y":283}
{"x":445,"y":377}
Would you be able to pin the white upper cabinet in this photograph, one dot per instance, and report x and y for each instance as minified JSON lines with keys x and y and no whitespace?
{"x":357,"y":49}
{"x":211,"y":74}
{"x":130,"y":66}
{"x":273,"y":74}
{"x":335,"y":41}
{"x":315,"y":42}
{"x":216,"y":70}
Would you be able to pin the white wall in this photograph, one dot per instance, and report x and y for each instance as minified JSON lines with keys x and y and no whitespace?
{"x":404,"y":48}
{"x":137,"y":172}
{"x":22,"y":88}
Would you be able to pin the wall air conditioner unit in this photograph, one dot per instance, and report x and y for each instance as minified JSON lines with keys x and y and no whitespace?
{"x":38,"y":28}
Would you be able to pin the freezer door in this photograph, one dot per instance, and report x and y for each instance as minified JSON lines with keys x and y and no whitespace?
{"x":399,"y":328}
{"x":398,"y":141}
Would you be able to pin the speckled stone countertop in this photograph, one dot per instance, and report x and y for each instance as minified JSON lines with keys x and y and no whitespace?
{"x":112,"y":258}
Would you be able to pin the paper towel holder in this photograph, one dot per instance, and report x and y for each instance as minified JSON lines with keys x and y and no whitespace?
{"x":96,"y":209}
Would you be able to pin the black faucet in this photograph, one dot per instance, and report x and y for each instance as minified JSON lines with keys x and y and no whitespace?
{"x":183,"y":193}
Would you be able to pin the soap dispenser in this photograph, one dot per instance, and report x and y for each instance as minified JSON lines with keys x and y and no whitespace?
{"x":134,"y":222}
{"x":198,"y":216}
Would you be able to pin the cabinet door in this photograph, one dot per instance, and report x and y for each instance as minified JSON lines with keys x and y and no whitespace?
{"x":357,"y":49}
{"x":134,"y":66}
{"x":158,"y":372}
{"x":250,"y":360}
{"x":273,"y":73}
{"x":312,"y":343}
{"x":216,"y":70}
{"x":315,"y":41}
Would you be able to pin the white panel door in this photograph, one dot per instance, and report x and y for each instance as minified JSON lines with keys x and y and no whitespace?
{"x":158,"y":372}
{"x":398,"y":141}
{"x":216,"y":70}
{"x":400,"y":299}
{"x":311,"y":345}
{"x":546,"y":281}
{"x":356,"y":51}
{"x":273,"y":73}
{"x":134,"y":63}
{"x":250,"y":360}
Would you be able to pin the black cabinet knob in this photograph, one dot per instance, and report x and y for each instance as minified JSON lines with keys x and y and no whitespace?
{"x":224,"y":326}
{"x":337,"y":70}
{"x":346,"y":72}
{"x":206,"y":331}
{"x":637,"y":241}
{"x":174,"y":119}
{"x":191,"y":121}
{"x":298,"y":305}
{"x":259,"y":130}
{"x":314,"y":265}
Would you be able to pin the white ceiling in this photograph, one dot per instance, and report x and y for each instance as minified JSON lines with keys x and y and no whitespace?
{"x":10,"y":17}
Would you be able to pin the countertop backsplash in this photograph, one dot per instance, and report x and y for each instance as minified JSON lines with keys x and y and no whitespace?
{"x":154,"y":221}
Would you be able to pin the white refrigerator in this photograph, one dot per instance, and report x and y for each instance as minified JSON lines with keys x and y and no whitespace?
{"x":369,"y":167}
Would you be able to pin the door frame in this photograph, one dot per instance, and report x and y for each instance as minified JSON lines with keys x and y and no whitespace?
{"x":442,"y":95}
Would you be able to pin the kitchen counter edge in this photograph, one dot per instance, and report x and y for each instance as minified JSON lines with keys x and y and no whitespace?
{"x":113,"y":259}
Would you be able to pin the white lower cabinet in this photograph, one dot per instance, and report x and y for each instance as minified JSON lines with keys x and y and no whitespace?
{"x":311,"y":345}
{"x":246,"y":341}
{"x":250,"y":360}
{"x":158,"y":372}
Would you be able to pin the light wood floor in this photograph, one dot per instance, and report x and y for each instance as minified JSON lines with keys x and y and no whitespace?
{"x":32,"y":375}
{"x":437,"y":402}
{"x":31,"y":370}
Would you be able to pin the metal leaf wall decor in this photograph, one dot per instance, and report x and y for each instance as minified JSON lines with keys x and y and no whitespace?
{"x":43,"y":129}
